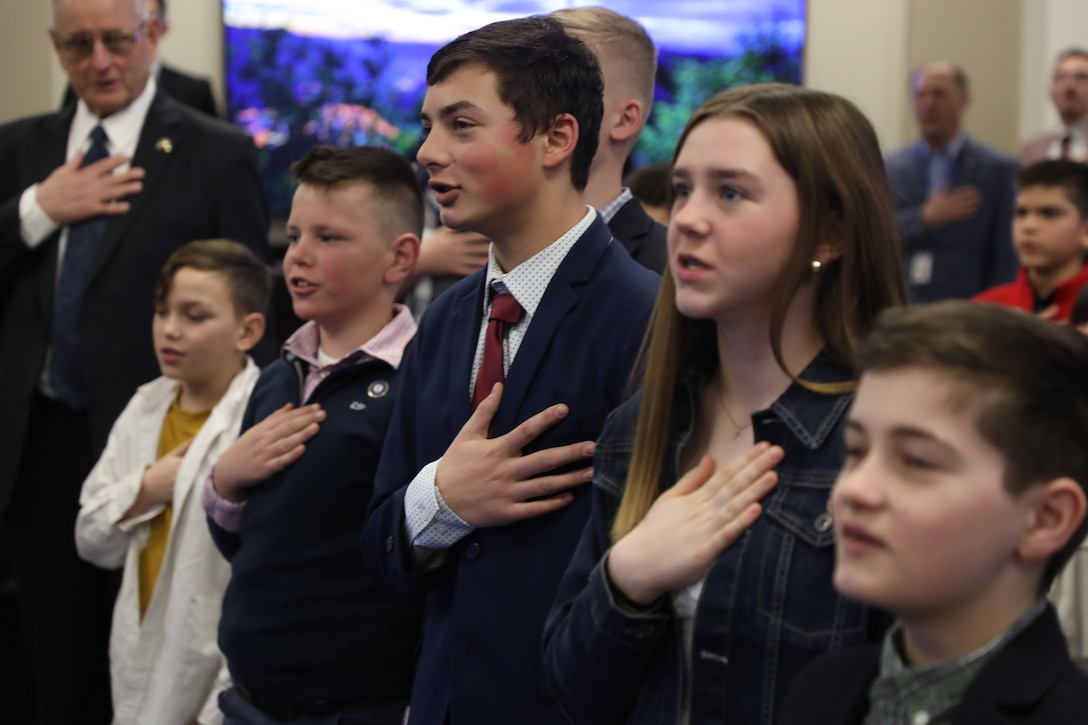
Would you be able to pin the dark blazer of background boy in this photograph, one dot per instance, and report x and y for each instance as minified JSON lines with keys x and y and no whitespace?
{"x":511,"y":115}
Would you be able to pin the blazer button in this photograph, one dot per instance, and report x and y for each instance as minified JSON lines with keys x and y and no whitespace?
{"x":472,"y":550}
{"x":389,"y":545}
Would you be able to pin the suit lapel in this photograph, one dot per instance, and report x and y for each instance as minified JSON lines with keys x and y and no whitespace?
{"x":965,"y":166}
{"x":563,"y":293}
{"x":463,"y":330}
{"x":160,"y":138}
{"x":54,"y":149}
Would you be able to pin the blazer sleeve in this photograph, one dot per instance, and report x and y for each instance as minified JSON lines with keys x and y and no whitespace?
{"x":385,"y":543}
{"x":110,"y":490}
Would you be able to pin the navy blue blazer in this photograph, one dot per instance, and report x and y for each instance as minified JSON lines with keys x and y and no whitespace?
{"x":643,"y":238}
{"x":970,"y":255}
{"x":487,"y":602}
{"x":1030,"y":680}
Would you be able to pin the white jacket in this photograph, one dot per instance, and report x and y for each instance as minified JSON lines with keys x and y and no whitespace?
{"x":168,"y":668}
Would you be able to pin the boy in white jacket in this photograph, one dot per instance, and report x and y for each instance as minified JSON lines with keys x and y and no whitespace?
{"x":140,"y":505}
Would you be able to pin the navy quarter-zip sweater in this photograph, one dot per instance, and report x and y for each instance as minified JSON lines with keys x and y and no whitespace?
{"x":303,"y":619}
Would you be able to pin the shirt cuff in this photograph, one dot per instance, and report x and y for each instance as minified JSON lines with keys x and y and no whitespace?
{"x":34,"y":224}
{"x":429,"y":521}
{"x":226,"y":514}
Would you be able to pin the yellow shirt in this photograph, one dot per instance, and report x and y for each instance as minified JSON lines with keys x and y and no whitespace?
{"x":177,"y":427}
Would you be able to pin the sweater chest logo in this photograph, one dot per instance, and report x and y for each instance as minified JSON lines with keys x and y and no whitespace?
{"x":378,"y":389}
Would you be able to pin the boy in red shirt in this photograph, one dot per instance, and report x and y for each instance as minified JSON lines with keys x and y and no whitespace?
{"x":1050,"y":233}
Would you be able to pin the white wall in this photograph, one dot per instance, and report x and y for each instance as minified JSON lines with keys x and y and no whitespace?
{"x":858,"y":49}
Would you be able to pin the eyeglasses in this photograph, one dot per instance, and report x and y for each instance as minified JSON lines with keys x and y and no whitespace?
{"x":80,"y":45}
{"x":1078,"y":77}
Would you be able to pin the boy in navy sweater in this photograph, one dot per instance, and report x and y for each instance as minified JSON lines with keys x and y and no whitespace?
{"x":305,"y":628}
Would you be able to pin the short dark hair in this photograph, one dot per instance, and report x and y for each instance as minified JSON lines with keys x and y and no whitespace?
{"x":388,"y":176}
{"x":542,"y":73}
{"x":651,"y":184}
{"x":1024,"y":379}
{"x":1070,"y":176}
{"x":248,"y":279}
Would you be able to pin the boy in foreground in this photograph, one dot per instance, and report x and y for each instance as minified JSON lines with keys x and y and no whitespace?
{"x":1050,"y":234}
{"x":962,"y":497}
{"x":306,"y":629}
{"x":480,"y":495}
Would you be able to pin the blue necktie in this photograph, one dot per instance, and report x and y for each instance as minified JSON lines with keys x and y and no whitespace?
{"x":65,"y":369}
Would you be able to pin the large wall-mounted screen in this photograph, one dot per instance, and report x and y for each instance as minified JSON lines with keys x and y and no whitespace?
{"x":346,"y":72}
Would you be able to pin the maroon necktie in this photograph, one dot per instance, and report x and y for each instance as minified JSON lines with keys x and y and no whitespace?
{"x":505,"y":311}
{"x":1066,"y":142}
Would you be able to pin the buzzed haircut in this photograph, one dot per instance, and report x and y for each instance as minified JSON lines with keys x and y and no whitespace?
{"x":248,"y":279}
{"x":1024,"y":380}
{"x":621,"y":38}
{"x":387,"y":175}
{"x":1069,"y":176}
{"x":542,"y":73}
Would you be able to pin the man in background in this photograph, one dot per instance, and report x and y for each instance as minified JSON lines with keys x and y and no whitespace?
{"x":954,"y":196}
{"x":93,"y":200}
{"x":1069,"y":92}
{"x":179,"y":85}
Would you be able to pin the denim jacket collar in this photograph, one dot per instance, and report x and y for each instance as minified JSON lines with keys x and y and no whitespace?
{"x":805,"y":412}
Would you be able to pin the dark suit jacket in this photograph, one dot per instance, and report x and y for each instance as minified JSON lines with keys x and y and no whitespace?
{"x":480,"y":658}
{"x":205,"y":186}
{"x":643,"y":238}
{"x":970,"y":255}
{"x":190,"y":90}
{"x":1031,"y":680}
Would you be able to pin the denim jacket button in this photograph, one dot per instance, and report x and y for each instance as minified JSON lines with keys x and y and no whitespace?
{"x":920,"y":718}
{"x":823,"y":522}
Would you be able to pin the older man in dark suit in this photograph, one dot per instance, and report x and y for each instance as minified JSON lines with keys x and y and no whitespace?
{"x":954,"y":197}
{"x":93,"y":199}
{"x":192,"y":91}
{"x":1069,"y":92}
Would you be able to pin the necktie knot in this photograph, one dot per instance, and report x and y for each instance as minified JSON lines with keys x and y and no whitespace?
{"x":505,"y":308}
{"x":98,"y":150}
{"x":1064,"y":146}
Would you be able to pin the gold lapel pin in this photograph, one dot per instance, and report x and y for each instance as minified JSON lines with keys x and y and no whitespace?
{"x":164,"y":144}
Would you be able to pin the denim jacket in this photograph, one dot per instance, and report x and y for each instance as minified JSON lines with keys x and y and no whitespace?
{"x":767,"y":605}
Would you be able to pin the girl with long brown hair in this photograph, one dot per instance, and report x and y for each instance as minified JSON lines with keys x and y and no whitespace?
{"x":703,"y":581}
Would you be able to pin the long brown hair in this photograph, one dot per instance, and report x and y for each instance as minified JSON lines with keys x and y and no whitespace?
{"x":830,"y":150}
